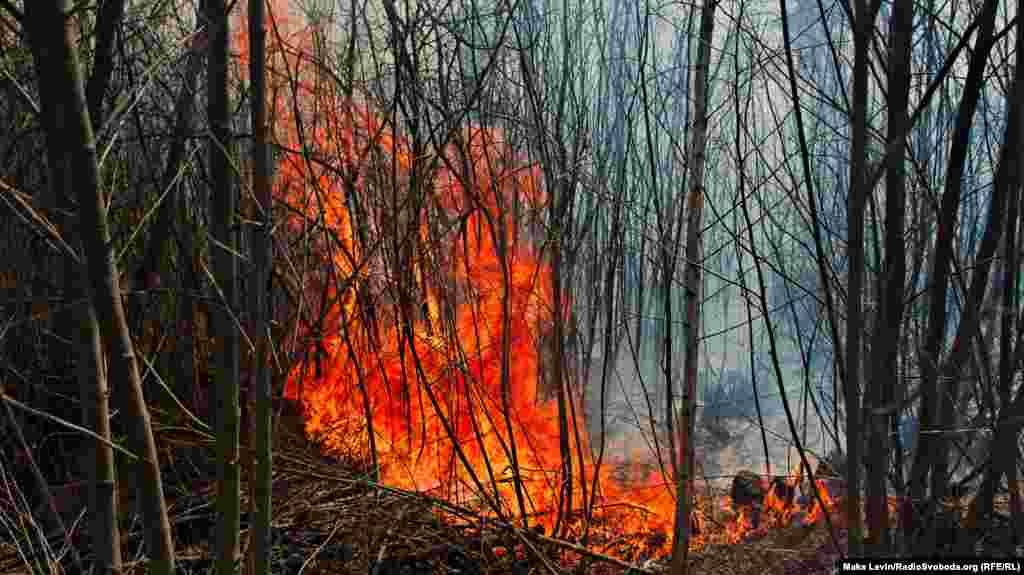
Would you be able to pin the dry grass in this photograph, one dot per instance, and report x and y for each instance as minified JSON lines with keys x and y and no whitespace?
{"x":331,"y":506}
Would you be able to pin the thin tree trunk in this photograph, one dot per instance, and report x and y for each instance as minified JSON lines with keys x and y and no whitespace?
{"x":1007,"y":182}
{"x":260,"y":310}
{"x":108,"y":22}
{"x":927,"y":456}
{"x":557,"y":364}
{"x":360,"y":231}
{"x":103,"y":501}
{"x":54,"y":38}
{"x":222,"y":212}
{"x":80,"y":319}
{"x":890,"y":310}
{"x":949,"y":371}
{"x":694,"y":251}
{"x":1006,"y":190}
{"x":857,"y":196}
{"x":1011,"y":296}
{"x":92,"y":375}
{"x":609,"y":349}
{"x":742,"y":113}
{"x":560,"y":176}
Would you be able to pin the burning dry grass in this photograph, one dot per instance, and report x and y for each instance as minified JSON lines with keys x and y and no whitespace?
{"x":387,"y":531}
{"x":328,"y":518}
{"x":390,"y":531}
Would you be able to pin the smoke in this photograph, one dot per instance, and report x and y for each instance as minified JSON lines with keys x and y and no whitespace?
{"x":728,"y":435}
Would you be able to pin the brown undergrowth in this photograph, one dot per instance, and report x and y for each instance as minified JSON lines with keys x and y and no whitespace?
{"x":329,"y":518}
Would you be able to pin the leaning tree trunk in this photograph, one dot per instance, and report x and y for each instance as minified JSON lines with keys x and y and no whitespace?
{"x":694,"y":243}
{"x":92,"y":377}
{"x":1005,"y":193}
{"x":53,"y":38}
{"x":929,"y":454}
{"x":80,"y":320}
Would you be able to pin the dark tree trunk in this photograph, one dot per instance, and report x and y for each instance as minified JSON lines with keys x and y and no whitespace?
{"x":53,"y":38}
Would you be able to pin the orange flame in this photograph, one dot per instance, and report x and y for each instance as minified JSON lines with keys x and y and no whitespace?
{"x":778,"y":511}
{"x":445,"y":419}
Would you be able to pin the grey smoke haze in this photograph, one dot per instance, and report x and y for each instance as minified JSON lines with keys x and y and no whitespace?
{"x":728,"y":434}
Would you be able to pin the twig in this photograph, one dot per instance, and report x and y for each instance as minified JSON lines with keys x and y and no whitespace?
{"x":543,"y":558}
{"x":376,"y":570}
{"x":494,"y":522}
{"x":46,"y":226}
{"x":316,"y":552}
{"x":782,"y":550}
{"x":44,"y":488}
{"x":11,"y":401}
{"x":582,"y":550}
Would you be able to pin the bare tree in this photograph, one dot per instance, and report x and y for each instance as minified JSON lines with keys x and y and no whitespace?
{"x":259,"y":311}
{"x":223,"y":194}
{"x":863,"y":19}
{"x":92,"y":382}
{"x":58,"y":62}
{"x":929,"y":453}
{"x":694,"y":253}
{"x":558,"y":133}
{"x":885,"y":348}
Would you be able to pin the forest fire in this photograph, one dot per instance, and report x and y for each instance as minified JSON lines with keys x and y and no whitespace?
{"x":444,"y":370}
